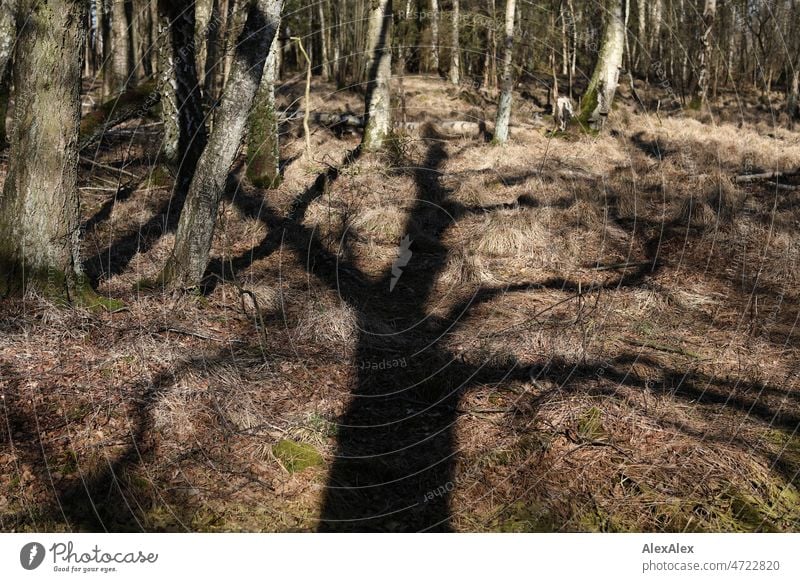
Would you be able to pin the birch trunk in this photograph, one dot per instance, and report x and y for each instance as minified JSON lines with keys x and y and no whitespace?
{"x":187,"y":263}
{"x":455,"y":49}
{"x":504,"y":107}
{"x":435,"y":35}
{"x":599,"y":95}
{"x":378,"y":100}
{"x":709,"y":13}
{"x":181,"y":101}
{"x":39,"y":209}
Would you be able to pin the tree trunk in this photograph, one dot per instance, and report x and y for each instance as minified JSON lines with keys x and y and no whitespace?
{"x":203,"y":12}
{"x":455,"y":49}
{"x":187,"y":263}
{"x":181,"y":101}
{"x":323,"y":40}
{"x":435,"y":35}
{"x":793,"y":102}
{"x":705,"y":51}
{"x":120,"y":50}
{"x":39,"y":209}
{"x":504,"y":107}
{"x":378,"y":100}
{"x":263,"y":141}
{"x":8,"y":35}
{"x":599,"y":95}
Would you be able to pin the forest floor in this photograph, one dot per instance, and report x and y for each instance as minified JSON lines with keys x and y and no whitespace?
{"x":587,"y":333}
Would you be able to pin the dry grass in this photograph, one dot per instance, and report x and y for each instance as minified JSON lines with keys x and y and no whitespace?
{"x":643,"y":305}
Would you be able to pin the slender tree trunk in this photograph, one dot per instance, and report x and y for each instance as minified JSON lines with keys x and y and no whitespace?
{"x":120,"y":50}
{"x":182,"y":108}
{"x":599,"y":95}
{"x":504,"y":107}
{"x":705,"y":51}
{"x":378,"y":101}
{"x":39,"y":209}
{"x":435,"y":35}
{"x":793,"y":102}
{"x":455,"y":49}
{"x":323,"y":40}
{"x":203,"y":12}
{"x":103,"y":8}
{"x":263,"y":140}
{"x":187,"y":264}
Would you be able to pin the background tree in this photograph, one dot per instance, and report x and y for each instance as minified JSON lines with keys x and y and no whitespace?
{"x":455,"y":45}
{"x":599,"y":95}
{"x":504,"y":107}
{"x":378,"y":100}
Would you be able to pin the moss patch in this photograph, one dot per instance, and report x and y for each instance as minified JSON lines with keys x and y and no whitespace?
{"x":296,"y":456}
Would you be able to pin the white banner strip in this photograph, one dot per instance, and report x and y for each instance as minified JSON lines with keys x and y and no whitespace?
{"x":376,"y":558}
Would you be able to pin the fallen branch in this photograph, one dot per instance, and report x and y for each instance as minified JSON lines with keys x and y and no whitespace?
{"x":659,"y":347}
{"x":762,"y":176}
{"x":133,"y":103}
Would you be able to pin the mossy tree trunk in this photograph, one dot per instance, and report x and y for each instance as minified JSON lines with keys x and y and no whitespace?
{"x":378,"y":101}
{"x":455,"y":49}
{"x":181,"y":101}
{"x":39,"y":209}
{"x":263,"y":140}
{"x":599,"y":95}
{"x":504,"y":106}
{"x":187,"y":263}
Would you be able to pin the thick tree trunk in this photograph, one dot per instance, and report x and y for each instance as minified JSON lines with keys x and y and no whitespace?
{"x":455,"y":49}
{"x":705,"y":51}
{"x":599,"y":95}
{"x":504,"y":107}
{"x":378,"y":101}
{"x":8,"y":35}
{"x":39,"y":209}
{"x":263,"y":142}
{"x":187,"y":264}
{"x":435,"y":35}
{"x":120,"y":49}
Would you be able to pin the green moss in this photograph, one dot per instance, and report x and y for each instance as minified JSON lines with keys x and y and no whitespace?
{"x":296,"y":456}
{"x":522,"y":517}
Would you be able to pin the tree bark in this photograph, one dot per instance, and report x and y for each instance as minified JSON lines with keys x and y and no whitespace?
{"x":704,"y":57}
{"x":378,"y":100}
{"x":181,"y":101}
{"x":435,"y":35}
{"x":455,"y":49}
{"x":8,"y":35}
{"x":504,"y":106}
{"x":263,"y":141}
{"x":599,"y":95}
{"x":120,"y":49}
{"x":39,"y":209}
{"x":187,"y":263}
